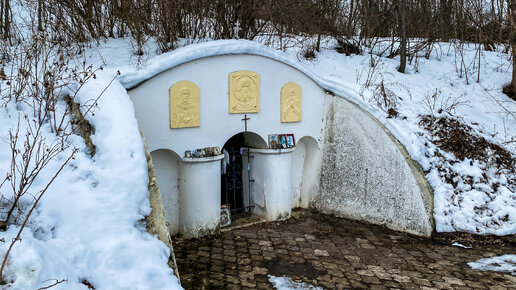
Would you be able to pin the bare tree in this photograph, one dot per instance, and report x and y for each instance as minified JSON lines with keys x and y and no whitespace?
{"x":39,"y":75}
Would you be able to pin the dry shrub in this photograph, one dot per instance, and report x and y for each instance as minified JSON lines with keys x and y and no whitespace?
{"x":459,"y":139}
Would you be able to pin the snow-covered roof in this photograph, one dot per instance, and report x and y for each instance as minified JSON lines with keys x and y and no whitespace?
{"x":132,"y":78}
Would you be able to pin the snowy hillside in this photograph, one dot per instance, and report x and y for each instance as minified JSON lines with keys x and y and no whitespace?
{"x":473,"y":191}
{"x":88,"y":228}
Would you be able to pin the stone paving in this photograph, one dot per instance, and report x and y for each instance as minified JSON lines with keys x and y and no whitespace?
{"x":333,"y":253}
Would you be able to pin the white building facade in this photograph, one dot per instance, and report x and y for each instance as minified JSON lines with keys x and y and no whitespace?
{"x":344,"y":161}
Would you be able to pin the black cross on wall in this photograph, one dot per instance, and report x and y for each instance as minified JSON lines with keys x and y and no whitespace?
{"x":245,"y":120}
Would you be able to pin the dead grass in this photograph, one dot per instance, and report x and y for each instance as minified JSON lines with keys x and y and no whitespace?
{"x":459,"y":139}
{"x":470,"y":240}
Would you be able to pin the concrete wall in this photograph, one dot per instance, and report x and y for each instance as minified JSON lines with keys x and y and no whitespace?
{"x":306,"y":165}
{"x":365,"y":174}
{"x":311,"y":171}
{"x":272,"y":189}
{"x":199,"y":196}
{"x":190,"y":209}
{"x":297,"y":166}
{"x":166,"y":166}
{"x":156,"y":222}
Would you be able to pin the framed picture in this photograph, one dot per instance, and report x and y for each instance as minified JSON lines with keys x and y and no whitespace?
{"x":273,"y":141}
{"x":188,"y":154}
{"x":282,"y":141}
{"x":225,"y":215}
{"x":216,"y":150}
{"x":193,"y":153}
{"x":208,"y":152}
{"x":199,"y":153}
{"x":291,"y":141}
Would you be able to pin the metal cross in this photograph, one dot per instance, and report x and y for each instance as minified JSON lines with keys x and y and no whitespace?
{"x":245,"y":120}
{"x":236,"y":29}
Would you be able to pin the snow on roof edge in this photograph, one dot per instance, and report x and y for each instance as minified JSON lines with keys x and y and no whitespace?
{"x":136,"y":76}
{"x":179,"y":56}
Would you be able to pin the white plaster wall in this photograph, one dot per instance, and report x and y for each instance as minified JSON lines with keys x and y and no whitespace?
{"x":366,"y":176}
{"x":311,"y":171}
{"x":297,"y":165}
{"x":272,"y":189}
{"x":151,"y":100}
{"x":166,"y":167}
{"x":199,"y":196}
{"x":306,"y":163}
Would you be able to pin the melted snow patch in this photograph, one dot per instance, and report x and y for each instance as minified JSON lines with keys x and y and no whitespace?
{"x":505,"y":263}
{"x":286,"y":283}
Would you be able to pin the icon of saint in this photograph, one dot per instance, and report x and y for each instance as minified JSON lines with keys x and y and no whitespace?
{"x":291,"y":111}
{"x":291,"y":102}
{"x":186,"y":111}
{"x":245,"y":93}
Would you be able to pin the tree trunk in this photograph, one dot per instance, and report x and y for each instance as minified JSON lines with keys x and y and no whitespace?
{"x":318,"y":47}
{"x":403,"y":35}
{"x":350,"y":22}
{"x":40,"y":15}
{"x":513,"y":44}
{"x":1,"y":17}
{"x":7,"y":20}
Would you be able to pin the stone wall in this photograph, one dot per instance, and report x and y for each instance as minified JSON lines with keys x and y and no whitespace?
{"x":366,"y":174}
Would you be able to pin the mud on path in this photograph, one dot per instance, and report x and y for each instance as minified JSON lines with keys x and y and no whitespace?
{"x":335,"y":253}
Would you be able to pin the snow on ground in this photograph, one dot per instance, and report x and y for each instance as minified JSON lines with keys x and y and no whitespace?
{"x":505,"y":263}
{"x":88,"y":226}
{"x":286,"y":283}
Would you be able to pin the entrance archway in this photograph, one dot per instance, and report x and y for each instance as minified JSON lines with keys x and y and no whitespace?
{"x":236,"y":180}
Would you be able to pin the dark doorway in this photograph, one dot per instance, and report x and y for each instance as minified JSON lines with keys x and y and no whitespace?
{"x":232,"y":175}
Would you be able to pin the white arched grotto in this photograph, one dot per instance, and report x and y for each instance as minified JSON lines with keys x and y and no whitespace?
{"x":345,"y":162}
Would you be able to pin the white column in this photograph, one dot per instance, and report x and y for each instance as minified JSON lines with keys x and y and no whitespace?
{"x":199,"y":190}
{"x":272,"y":187}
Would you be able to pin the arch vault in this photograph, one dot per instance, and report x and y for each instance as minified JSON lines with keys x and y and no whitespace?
{"x":345,"y":162}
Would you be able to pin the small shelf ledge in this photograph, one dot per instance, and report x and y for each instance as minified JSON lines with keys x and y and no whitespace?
{"x":203,"y":159}
{"x":271,"y":151}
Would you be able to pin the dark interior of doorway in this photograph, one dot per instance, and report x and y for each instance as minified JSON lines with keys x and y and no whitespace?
{"x":232,"y":182}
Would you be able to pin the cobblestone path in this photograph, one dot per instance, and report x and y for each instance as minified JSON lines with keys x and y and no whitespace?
{"x":335,"y":254}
